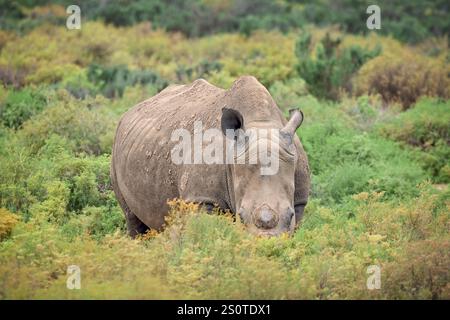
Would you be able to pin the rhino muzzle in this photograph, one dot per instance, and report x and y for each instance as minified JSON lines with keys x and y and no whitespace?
{"x":265,"y":217}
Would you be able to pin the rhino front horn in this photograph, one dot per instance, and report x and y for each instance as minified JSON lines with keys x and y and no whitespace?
{"x":296,"y":119}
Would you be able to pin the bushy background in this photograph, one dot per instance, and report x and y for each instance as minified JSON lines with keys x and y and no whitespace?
{"x":376,"y":130}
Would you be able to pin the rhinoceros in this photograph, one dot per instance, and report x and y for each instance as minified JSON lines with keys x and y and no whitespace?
{"x":144,"y":176}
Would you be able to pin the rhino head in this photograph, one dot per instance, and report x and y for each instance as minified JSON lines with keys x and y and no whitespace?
{"x":264,"y":202}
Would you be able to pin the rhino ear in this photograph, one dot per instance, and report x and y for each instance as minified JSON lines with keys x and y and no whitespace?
{"x":231,"y":120}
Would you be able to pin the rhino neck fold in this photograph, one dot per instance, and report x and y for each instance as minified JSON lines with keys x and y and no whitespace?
{"x":229,"y":185}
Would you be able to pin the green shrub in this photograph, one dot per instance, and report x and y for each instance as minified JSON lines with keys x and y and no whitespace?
{"x":331,"y":69}
{"x":16,"y":166}
{"x":20,"y":106}
{"x":210,"y":256}
{"x":287,"y":93}
{"x":38,"y":163}
{"x":113,"y":80}
{"x":96,"y":222}
{"x":204,"y":69}
{"x":88,"y":181}
{"x":83,"y":123}
{"x":402,"y":20}
{"x":366,"y":111}
{"x":344,"y":162}
{"x":425,"y":127}
{"x":54,"y":207}
{"x":410,"y":23}
{"x":80,"y":86}
{"x":104,"y":220}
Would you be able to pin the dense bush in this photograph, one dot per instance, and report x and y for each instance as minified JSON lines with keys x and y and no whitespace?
{"x":191,"y":17}
{"x":86,"y":125}
{"x":404,"y":77}
{"x":411,"y":21}
{"x":345,"y":162}
{"x":426,"y":127}
{"x":329,"y":70}
{"x":8,"y":221}
{"x":138,"y":54}
{"x":420,"y":272}
{"x":112,"y":81}
{"x":21,"y":105}
{"x":208,"y":256}
{"x":287,"y":93}
{"x":202,"y":70}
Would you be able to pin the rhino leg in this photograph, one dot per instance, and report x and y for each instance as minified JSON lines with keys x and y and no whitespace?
{"x":134,"y":225}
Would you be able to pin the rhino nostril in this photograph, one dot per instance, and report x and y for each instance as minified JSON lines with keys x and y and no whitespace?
{"x":265,"y":218}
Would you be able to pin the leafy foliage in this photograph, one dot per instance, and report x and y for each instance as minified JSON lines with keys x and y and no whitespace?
{"x":405,"y":77}
{"x":425,"y":127}
{"x":208,"y":256}
{"x":112,"y":81}
{"x":329,"y":71}
{"x":7,"y":222}
{"x":21,"y":105}
{"x":411,"y":22}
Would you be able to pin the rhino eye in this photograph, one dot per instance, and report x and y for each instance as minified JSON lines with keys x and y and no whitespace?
{"x":291,"y":212}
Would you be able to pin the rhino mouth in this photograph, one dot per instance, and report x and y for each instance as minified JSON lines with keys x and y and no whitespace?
{"x":267,"y":233}
{"x":262,"y":223}
{"x":270,"y":233}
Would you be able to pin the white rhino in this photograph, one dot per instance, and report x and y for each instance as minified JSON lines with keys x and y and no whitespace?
{"x":144,"y":175}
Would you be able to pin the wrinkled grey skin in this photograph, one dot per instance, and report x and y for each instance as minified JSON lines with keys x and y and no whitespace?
{"x":144,"y":177}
